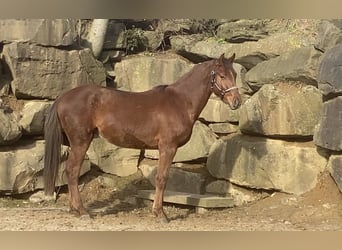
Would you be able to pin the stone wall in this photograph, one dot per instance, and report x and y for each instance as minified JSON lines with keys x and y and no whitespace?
{"x":287,"y":132}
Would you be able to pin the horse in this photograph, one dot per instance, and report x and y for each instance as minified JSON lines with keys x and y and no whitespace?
{"x":160,"y":118}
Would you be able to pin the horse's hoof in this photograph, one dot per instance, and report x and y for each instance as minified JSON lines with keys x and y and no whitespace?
{"x":164,"y":220}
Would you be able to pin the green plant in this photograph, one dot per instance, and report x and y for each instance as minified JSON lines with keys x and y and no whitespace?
{"x":135,"y":40}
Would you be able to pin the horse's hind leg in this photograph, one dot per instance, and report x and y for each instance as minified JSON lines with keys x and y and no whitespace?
{"x":166,"y":154}
{"x":73,"y":168}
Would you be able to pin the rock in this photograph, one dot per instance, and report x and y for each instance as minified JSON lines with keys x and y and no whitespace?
{"x":197,"y":147}
{"x":115,"y":36}
{"x":218,"y":111}
{"x":44,"y":72}
{"x":242,"y":30}
{"x":153,"y":39}
{"x":329,"y":35}
{"x":223,"y":128}
{"x":297,"y":65}
{"x":269,"y":47}
{"x":113,"y":159}
{"x":40,"y":196}
{"x":240,"y":195}
{"x":178,"y":180}
{"x":47,"y":32}
{"x":181,"y":43}
{"x":328,"y":133}
{"x":330,"y":72}
{"x":33,"y":117}
{"x":176,"y":26}
{"x":5,"y":80}
{"x":141,"y":72}
{"x":262,"y":163}
{"x":21,"y":167}
{"x":10,"y":131}
{"x":334,"y":167}
{"x":282,"y":110}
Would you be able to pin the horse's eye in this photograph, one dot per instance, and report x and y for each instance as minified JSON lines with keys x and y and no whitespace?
{"x":222,"y":77}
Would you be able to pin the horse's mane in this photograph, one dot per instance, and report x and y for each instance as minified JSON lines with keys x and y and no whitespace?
{"x":194,"y":69}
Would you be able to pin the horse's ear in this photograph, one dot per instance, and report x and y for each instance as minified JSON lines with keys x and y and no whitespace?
{"x":232,"y":58}
{"x":220,"y":60}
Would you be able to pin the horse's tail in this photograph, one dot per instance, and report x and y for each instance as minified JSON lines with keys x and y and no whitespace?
{"x":53,"y":142}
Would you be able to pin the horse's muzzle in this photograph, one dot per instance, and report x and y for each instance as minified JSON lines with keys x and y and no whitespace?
{"x":236,"y":103}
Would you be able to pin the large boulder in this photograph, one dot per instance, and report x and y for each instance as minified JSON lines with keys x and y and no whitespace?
{"x":115,"y":36}
{"x":262,"y":163}
{"x":329,"y":34}
{"x":217,"y":111}
{"x":334,"y":167}
{"x":242,"y":30}
{"x":143,"y":72}
{"x":197,"y":147}
{"x":10,"y":131}
{"x":4,"y":81}
{"x":47,"y":32}
{"x":33,"y":117}
{"x":21,"y":167}
{"x":44,"y":72}
{"x":249,"y":53}
{"x":179,"y":180}
{"x":282,"y":110}
{"x":328,"y":134}
{"x":297,"y":65}
{"x":330,"y":72}
{"x":113,"y":159}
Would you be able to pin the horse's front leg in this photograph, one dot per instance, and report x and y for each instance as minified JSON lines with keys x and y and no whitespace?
{"x":166,"y":154}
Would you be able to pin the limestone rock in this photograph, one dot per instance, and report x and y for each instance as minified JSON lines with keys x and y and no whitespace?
{"x":10,"y":131}
{"x":334,"y":167}
{"x":282,"y":110}
{"x":269,"y":47}
{"x":44,"y":72}
{"x":21,"y":167}
{"x":47,"y":32}
{"x":197,"y":147}
{"x":297,"y":65}
{"x":223,"y":128}
{"x":178,"y":180}
{"x":218,"y":111}
{"x":242,"y":30}
{"x":142,"y":72}
{"x":329,"y":72}
{"x":33,"y":116}
{"x":113,"y":159}
{"x":262,"y":163}
{"x":115,"y":36}
{"x":329,"y":34}
{"x":328,"y":133}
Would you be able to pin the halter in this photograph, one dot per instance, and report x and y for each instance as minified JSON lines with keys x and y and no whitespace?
{"x":214,"y":83}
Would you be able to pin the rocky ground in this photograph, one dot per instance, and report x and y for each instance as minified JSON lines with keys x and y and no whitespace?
{"x":114,"y":208}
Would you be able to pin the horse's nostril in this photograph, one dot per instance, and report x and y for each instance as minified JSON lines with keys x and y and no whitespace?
{"x":236,"y":103}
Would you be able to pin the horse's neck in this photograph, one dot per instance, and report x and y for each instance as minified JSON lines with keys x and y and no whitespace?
{"x":194,"y":88}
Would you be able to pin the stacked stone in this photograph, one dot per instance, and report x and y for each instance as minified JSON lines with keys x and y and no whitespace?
{"x":286,"y":133}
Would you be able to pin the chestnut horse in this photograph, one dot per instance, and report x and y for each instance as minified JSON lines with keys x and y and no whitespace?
{"x":161,"y":118}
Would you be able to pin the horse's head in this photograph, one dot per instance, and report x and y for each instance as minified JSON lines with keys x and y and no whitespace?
{"x":223,"y":83}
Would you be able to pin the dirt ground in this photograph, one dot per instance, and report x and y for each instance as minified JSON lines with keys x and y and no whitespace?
{"x":113,"y":207}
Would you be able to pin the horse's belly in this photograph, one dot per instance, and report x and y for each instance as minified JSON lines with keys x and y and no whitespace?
{"x":128,"y":140}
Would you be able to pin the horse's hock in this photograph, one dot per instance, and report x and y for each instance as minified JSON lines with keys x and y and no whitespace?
{"x":291,"y":93}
